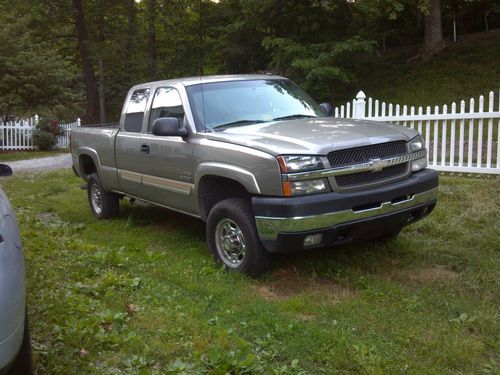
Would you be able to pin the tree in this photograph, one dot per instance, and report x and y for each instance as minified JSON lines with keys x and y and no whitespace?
{"x":91,"y":94}
{"x":34,"y":77}
{"x":433,"y":30}
{"x":151,"y":15}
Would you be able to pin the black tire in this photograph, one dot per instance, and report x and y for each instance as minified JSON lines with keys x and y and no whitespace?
{"x":22,"y":364}
{"x":236,"y":213}
{"x":109,"y":204}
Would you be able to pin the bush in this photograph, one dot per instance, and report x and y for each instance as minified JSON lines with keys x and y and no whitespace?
{"x":45,"y":134}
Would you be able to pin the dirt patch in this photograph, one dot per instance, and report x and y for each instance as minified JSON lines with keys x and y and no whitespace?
{"x":288,"y":283}
{"x":437,"y":273}
{"x":305,"y":317}
{"x":47,"y":217}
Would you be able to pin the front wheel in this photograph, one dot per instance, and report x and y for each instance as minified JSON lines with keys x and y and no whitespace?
{"x":233,"y":239}
{"x":102,"y":204}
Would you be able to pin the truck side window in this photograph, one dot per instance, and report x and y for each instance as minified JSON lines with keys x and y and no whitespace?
{"x":135,"y":110}
{"x":166,"y":103}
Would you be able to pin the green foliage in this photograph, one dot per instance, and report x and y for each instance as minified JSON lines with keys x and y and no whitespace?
{"x":34,"y":76}
{"x":323,"y":45}
{"x":466,"y":70}
{"x":45,"y":134}
{"x":316,"y":66}
{"x":140,"y":294}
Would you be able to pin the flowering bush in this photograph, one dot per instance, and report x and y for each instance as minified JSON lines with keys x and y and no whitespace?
{"x":46,"y":133}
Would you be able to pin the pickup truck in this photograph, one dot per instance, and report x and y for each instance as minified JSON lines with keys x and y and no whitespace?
{"x":267,"y":168}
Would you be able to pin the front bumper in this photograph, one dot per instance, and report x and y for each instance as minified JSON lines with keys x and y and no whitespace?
{"x":284,"y":223}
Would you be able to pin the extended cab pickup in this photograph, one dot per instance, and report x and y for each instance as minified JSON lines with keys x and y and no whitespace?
{"x":264,"y":165}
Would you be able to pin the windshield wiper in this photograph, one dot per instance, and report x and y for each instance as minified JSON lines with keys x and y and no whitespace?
{"x":237,"y":123}
{"x":292,"y":117}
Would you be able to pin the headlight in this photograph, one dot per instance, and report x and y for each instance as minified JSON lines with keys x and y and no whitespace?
{"x":299,"y":163}
{"x":417,"y":143}
{"x":305,"y":187}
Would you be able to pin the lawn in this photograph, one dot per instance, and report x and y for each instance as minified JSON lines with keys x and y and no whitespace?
{"x":140,"y":294}
{"x":9,"y":156}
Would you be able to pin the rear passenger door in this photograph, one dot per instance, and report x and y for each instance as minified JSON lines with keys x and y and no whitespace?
{"x":130,"y":158}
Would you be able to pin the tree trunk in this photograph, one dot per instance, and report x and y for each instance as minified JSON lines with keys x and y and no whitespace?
{"x":152,"y":38}
{"x":100,"y":65}
{"x":433,"y":31}
{"x":130,"y":42}
{"x":200,"y":35}
{"x":92,"y":96}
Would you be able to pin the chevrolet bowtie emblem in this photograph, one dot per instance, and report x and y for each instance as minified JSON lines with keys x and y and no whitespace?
{"x":376,"y":165}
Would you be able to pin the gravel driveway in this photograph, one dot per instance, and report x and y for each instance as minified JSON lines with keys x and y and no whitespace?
{"x":52,"y":162}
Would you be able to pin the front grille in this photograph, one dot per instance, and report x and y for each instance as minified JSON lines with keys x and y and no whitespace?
{"x":343,"y":158}
{"x":364,"y":154}
{"x":364,"y":178}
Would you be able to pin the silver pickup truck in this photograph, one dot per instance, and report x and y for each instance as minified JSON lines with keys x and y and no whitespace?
{"x":264,"y":165}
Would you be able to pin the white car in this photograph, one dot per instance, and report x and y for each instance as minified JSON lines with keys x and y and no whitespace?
{"x":15,"y":347}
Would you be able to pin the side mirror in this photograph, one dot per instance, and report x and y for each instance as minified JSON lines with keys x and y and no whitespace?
{"x":5,"y":170}
{"x":168,"y":126}
{"x":327,"y":108}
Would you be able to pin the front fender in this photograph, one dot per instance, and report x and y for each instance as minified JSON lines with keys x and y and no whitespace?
{"x":233,"y":172}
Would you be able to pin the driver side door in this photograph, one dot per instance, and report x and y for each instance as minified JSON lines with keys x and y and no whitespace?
{"x":167,"y":176}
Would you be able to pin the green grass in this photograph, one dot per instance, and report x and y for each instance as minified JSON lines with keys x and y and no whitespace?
{"x":468,"y":69}
{"x":140,"y":294}
{"x":26,"y":155}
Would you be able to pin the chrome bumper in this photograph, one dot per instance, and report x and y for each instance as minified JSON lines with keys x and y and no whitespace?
{"x":269,"y":227}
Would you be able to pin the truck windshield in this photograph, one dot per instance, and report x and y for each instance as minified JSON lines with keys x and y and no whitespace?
{"x":221,"y":105}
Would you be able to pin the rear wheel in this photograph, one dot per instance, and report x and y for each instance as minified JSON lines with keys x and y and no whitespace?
{"x":22,"y":364}
{"x":102,"y":204}
{"x":233,"y":239}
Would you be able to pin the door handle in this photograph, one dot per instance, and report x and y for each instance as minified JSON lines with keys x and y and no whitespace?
{"x":145,"y":149}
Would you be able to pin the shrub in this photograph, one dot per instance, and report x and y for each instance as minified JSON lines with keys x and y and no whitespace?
{"x":45,"y":134}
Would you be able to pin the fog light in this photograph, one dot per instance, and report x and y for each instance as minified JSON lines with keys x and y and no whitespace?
{"x":309,"y":186}
{"x":419,"y":164}
{"x":313,"y":239}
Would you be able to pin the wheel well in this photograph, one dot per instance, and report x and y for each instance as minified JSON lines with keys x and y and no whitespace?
{"x":87,"y":166}
{"x":213,"y":189}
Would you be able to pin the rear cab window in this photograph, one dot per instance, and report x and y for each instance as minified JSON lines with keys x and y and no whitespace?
{"x":136,"y":107}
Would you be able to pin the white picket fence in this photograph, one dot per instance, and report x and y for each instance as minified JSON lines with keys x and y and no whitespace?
{"x":16,"y":135}
{"x":458,"y":139}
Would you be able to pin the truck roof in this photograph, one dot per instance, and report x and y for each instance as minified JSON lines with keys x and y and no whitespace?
{"x":189,"y":81}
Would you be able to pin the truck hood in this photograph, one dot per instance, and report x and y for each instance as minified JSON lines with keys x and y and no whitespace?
{"x":317,"y":136}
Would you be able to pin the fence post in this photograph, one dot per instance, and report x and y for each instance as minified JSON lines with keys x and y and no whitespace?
{"x":78,"y":122}
{"x":36,"y":119}
{"x":360,"y":109}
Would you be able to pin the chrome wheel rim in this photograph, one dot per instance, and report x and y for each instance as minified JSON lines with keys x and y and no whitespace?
{"x":230,"y":243}
{"x":96,"y":198}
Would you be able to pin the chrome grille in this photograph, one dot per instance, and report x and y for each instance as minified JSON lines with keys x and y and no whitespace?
{"x":364,"y":154}
{"x":364,"y":178}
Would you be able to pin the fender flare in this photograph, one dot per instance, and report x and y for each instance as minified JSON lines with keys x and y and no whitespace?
{"x":93,"y":155}
{"x":232,"y":172}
